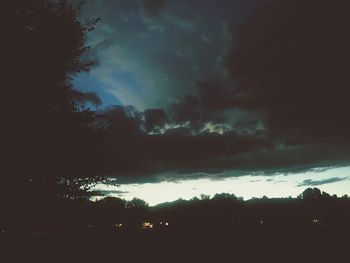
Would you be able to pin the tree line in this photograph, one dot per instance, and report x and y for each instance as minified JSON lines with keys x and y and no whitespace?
{"x":312,"y":208}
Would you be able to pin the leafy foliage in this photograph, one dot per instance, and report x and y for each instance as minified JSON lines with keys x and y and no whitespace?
{"x":47,"y":134}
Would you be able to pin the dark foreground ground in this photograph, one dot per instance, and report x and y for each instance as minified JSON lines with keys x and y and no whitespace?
{"x":238,"y":245}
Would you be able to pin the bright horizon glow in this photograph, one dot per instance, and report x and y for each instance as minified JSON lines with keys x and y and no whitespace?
{"x":248,"y":186}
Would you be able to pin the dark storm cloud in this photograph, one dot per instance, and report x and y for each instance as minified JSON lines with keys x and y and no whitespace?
{"x":164,"y":51}
{"x":152,"y":8}
{"x":154,"y":118}
{"x":215,"y":103}
{"x":310,"y":182}
{"x":112,"y":192}
{"x":120,"y":121}
{"x":129,"y":152}
{"x":91,"y":97}
{"x":291,"y":61}
{"x":127,"y":149}
{"x":208,"y":102}
{"x":240,"y":86}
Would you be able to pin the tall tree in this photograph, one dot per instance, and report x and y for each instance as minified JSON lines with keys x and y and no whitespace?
{"x":46,"y":133}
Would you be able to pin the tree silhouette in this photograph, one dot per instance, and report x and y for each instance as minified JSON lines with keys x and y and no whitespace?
{"x":47,"y":135}
{"x":311,"y":193}
{"x":225,"y":196}
{"x":136,"y":203}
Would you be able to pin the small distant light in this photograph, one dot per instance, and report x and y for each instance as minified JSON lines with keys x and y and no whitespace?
{"x":118,"y":225}
{"x":261,"y":222}
{"x":166,"y":223}
{"x":316,"y":220}
{"x":147,"y":225}
{"x":161,"y":223}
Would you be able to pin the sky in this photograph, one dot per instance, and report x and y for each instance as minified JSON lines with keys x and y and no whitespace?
{"x":213,"y":93}
{"x":151,"y":52}
{"x":334,"y":180}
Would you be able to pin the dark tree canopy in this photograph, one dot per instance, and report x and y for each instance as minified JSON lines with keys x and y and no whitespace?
{"x":47,"y":134}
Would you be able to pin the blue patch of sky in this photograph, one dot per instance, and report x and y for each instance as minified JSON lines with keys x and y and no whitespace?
{"x":127,"y":79}
{"x":86,"y":83}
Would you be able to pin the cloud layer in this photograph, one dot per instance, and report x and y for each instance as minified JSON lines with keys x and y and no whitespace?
{"x":239,"y":86}
{"x":310,"y":182}
{"x":153,"y":51}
